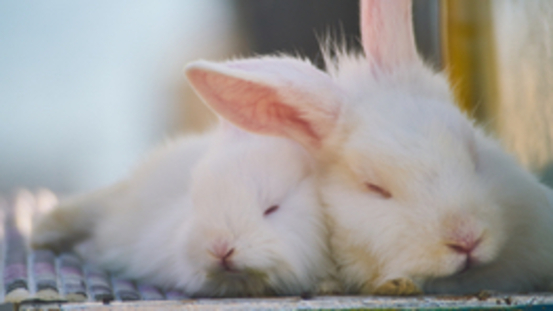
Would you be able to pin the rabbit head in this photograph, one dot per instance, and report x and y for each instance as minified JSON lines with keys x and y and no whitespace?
{"x":256,"y":227}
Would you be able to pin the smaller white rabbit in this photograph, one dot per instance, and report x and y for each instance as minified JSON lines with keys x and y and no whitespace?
{"x":227,"y":213}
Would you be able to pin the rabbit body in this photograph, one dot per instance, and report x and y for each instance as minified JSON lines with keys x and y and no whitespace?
{"x":419,"y":197}
{"x":195,"y":216}
{"x":456,"y":215}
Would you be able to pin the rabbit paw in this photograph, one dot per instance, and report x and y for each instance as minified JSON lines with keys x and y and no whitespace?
{"x":50,"y":240}
{"x":398,"y":287}
{"x":50,"y":233}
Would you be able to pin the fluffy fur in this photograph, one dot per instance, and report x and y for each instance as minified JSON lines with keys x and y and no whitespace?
{"x":417,"y":197}
{"x":196,"y":200}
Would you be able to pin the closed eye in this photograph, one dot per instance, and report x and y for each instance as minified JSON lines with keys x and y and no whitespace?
{"x":379,"y":190}
{"x":271,"y":210}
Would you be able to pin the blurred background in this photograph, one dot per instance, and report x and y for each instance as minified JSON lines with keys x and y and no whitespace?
{"x":88,"y":87}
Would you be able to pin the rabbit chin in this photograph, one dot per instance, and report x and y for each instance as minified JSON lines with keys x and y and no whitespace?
{"x":235,"y":283}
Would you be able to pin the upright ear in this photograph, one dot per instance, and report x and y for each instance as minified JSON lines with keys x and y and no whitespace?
{"x":387,"y":32}
{"x":284,"y":97}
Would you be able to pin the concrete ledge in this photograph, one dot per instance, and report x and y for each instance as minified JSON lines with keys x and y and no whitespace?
{"x":481,"y":302}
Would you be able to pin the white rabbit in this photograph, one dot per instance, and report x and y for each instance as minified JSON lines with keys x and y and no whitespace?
{"x":223,"y":214}
{"x":418,"y":198}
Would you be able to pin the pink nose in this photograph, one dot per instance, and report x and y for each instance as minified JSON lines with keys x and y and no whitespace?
{"x":220,"y":248}
{"x":226,"y":263}
{"x":464,"y":246}
{"x":227,"y":255}
{"x":222,"y":251}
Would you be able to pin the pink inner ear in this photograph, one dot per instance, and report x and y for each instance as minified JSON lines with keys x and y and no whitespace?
{"x":252,"y":106}
{"x":387,"y":32}
{"x":370,"y":25}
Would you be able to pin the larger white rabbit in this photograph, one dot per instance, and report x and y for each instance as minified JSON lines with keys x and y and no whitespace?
{"x":418,"y":198}
{"x":223,"y":214}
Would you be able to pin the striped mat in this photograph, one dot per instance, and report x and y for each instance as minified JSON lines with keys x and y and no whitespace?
{"x":42,"y":275}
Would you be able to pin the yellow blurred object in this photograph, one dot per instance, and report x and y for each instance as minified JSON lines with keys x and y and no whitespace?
{"x":467,"y":47}
{"x":499,"y":57}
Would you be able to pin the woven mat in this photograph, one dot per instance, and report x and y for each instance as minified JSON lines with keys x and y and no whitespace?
{"x":41,"y":275}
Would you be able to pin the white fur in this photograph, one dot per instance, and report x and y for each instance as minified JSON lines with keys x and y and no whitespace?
{"x":163,"y":222}
{"x":446,"y":179}
{"x":387,"y":121}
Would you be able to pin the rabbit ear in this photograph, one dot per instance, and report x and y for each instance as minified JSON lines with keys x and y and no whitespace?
{"x":387,"y":32}
{"x":272,"y":96}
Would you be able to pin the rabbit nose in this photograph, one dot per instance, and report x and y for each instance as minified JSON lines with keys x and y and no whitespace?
{"x":228,"y":254}
{"x":223,"y":253}
{"x":464,"y":246}
{"x":225,"y":260}
{"x":219,"y":248}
